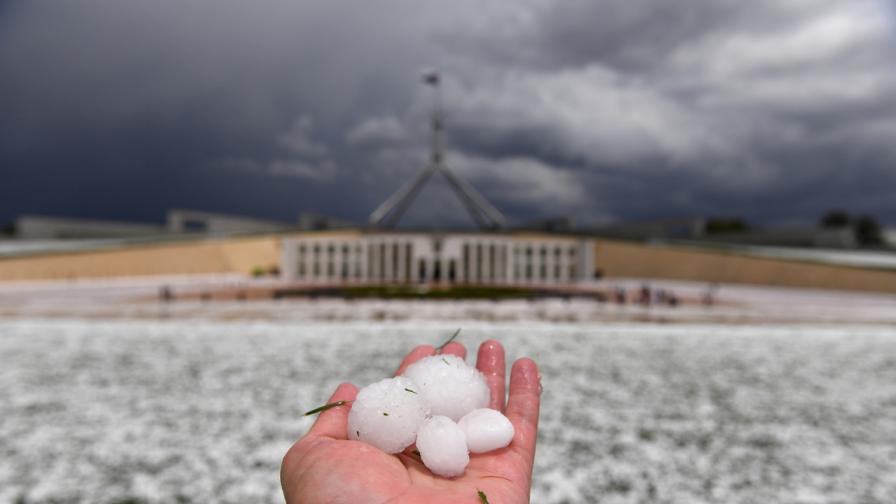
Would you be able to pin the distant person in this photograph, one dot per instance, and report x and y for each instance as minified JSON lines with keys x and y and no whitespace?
{"x":165,"y":294}
{"x":673,"y":299}
{"x":325,"y":467}
{"x":621,"y":295}
{"x":645,"y":295}
{"x":709,"y":297}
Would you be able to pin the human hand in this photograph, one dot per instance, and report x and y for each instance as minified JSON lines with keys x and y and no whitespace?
{"x":325,"y":467}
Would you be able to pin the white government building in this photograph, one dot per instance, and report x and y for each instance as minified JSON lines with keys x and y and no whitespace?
{"x":382,"y":255}
{"x":440,"y":258}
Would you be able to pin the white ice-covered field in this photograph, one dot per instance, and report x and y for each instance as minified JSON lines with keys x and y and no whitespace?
{"x":202,"y":409}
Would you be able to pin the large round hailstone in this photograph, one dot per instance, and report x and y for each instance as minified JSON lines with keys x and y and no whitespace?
{"x":443,"y":447}
{"x":449,"y":385}
{"x":486,"y":430}
{"x":387,"y":414}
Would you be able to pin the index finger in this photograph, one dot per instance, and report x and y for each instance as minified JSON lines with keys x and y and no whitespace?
{"x":334,"y":421}
{"x":490,"y":362}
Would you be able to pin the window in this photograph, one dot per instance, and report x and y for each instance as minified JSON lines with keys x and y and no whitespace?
{"x":301,"y":261}
{"x":421,"y":271}
{"x":395,"y":272}
{"x":408,"y":257}
{"x":479,"y":262}
{"x":194,"y":226}
{"x":529,"y":263}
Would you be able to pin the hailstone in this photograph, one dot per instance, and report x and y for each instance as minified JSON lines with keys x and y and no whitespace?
{"x":486,"y":430}
{"x":387,"y":414}
{"x":443,"y":447}
{"x":449,"y":385}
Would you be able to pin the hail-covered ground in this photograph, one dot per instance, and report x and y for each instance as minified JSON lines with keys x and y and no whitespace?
{"x":200,"y":409}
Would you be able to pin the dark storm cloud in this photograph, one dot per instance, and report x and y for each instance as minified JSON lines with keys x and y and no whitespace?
{"x":598,"y":109}
{"x":771,"y":110}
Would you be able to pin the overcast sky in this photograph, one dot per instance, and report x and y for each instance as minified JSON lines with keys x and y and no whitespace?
{"x":774,"y":110}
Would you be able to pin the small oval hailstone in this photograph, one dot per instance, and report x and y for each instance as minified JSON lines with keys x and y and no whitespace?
{"x":449,"y":385}
{"x":443,"y":447}
{"x":387,"y":414}
{"x":486,"y":430}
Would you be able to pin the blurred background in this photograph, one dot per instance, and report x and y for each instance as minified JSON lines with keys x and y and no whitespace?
{"x":213,"y":212}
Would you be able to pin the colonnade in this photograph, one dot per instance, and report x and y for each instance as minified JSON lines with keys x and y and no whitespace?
{"x":410,"y":258}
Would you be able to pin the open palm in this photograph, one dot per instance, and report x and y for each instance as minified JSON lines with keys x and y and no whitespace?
{"x":325,"y":467}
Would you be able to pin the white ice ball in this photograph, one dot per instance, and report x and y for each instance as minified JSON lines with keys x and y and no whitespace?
{"x":387,"y":414}
{"x":486,"y":430}
{"x":449,"y":385}
{"x":443,"y":447}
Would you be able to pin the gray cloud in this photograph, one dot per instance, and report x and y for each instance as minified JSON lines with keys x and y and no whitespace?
{"x":597,"y":109}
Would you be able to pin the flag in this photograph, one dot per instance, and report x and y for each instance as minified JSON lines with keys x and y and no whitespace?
{"x":431,"y":77}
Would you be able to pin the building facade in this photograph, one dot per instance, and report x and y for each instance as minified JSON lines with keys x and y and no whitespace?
{"x":436,"y":258}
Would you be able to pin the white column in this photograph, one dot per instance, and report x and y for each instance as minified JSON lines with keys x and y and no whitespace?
{"x":390,"y":257}
{"x":498,"y":267}
{"x":499,"y":263}
{"x":486,"y":262}
{"x":465,"y":264}
{"x":288,"y":254}
{"x":461,"y":274}
{"x":549,"y":265}
{"x":586,"y":264}
{"x":471,"y":262}
{"x":399,"y":273}
{"x":481,"y":252}
{"x":313,"y":261}
{"x":363,"y":260}
{"x":515,"y":263}
{"x":527,"y":262}
{"x":325,"y":259}
{"x":303,"y":258}
{"x":536,"y":263}
{"x":508,"y":262}
{"x":346,"y":261}
{"x":564,"y":265}
{"x":374,"y":252}
{"x":352,"y":261}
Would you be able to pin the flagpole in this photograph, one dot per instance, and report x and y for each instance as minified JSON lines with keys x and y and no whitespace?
{"x":437,"y":121}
